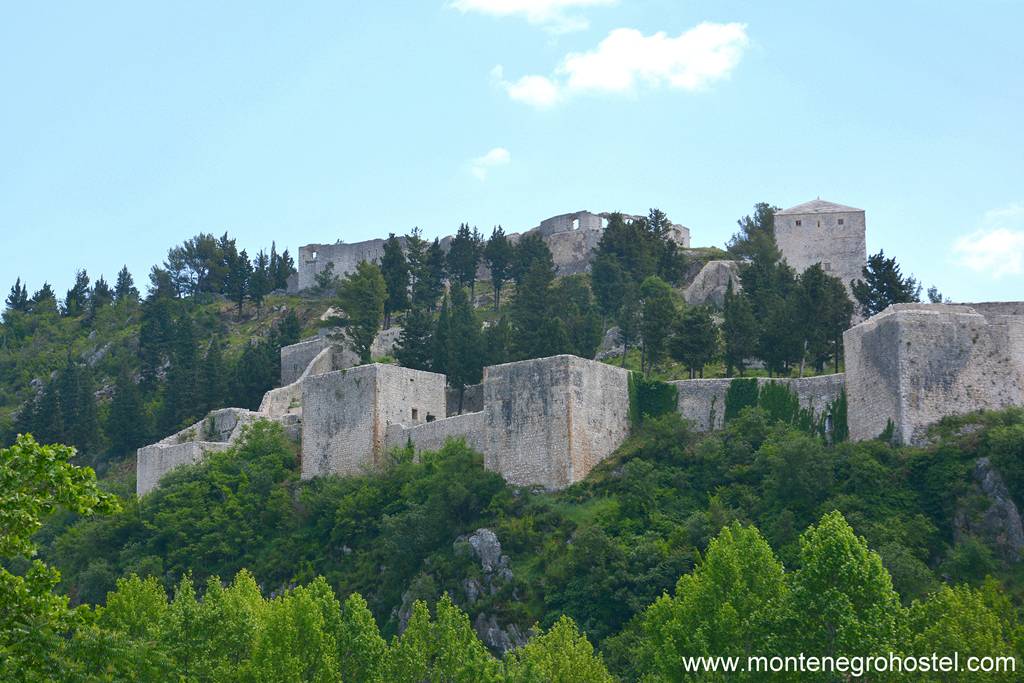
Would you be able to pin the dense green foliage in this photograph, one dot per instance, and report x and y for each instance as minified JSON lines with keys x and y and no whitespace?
{"x":601,"y":551}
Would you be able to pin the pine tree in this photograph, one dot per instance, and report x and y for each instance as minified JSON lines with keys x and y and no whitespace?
{"x":628,"y":317}
{"x":127,"y":425}
{"x":255,"y":371}
{"x":49,"y":419}
{"x":440,"y":341}
{"x":695,"y":339}
{"x":498,"y":343}
{"x":756,"y":237}
{"x":260,"y":281}
{"x":289,"y":329}
{"x":44,"y":300}
{"x":415,"y":343}
{"x":395,"y":270}
{"x":102,"y":295}
{"x":213,"y":388}
{"x":161,"y":284}
{"x":156,"y":338}
{"x":181,"y":391}
{"x":536,"y":331}
{"x":416,"y":258}
{"x":17,"y":300}
{"x":578,"y":313}
{"x":780,"y":340}
{"x":361,"y":296}
{"x":498,"y":254}
{"x":238,"y":278}
{"x":608,"y":281}
{"x":124,"y":288}
{"x":739,"y":331}
{"x":430,"y":285}
{"x":883,"y":285}
{"x":76,"y":301}
{"x":530,"y":249}
{"x":463,"y":257}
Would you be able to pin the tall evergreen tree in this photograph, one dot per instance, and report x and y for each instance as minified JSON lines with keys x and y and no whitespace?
{"x":628,"y":317}
{"x":498,"y":254}
{"x":101,"y":295}
{"x":739,"y":331}
{"x":439,"y":341}
{"x":156,"y":338}
{"x":124,"y":288}
{"x":465,"y":353}
{"x":756,"y":236}
{"x":464,"y":256}
{"x":17,"y":300}
{"x":76,"y":302}
{"x":414,"y":348}
{"x":780,"y":342}
{"x":657,"y":315}
{"x":430,"y":280}
{"x":530,"y":250}
{"x":238,"y":278}
{"x":361,"y":296}
{"x":576,"y":309}
{"x":181,"y":391}
{"x":127,"y":424}
{"x":608,"y":281}
{"x":536,"y":330}
{"x":44,"y":300}
{"x":416,"y":259}
{"x":162,"y":284}
{"x":498,"y":342}
{"x":213,"y":388}
{"x":883,"y":285}
{"x":260,"y":281}
{"x":695,"y":339}
{"x":395,"y":270}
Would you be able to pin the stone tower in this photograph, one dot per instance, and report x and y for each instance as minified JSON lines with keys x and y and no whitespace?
{"x":822,"y":232}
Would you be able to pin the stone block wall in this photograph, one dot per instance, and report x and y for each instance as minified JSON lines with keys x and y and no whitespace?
{"x":430,"y":436}
{"x":297,"y":357}
{"x":346,"y":413}
{"x":702,"y":401}
{"x":547,"y":422}
{"x":916,"y":363}
{"x":153,"y":462}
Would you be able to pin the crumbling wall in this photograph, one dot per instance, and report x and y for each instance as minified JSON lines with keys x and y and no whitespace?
{"x":313,"y":259}
{"x":916,"y":363}
{"x":297,"y":357}
{"x":537,"y":415}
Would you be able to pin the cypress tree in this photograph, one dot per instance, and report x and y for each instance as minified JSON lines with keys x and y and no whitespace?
{"x":395,"y":270}
{"x":498,"y":255}
{"x":414,"y":348}
{"x":739,"y":330}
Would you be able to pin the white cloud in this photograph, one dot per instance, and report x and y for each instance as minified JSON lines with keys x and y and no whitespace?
{"x":553,"y":15}
{"x":626,"y":61}
{"x":997,"y":248}
{"x":499,"y":156}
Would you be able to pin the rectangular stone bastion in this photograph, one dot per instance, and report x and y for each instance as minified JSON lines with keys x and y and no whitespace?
{"x":914,"y":364}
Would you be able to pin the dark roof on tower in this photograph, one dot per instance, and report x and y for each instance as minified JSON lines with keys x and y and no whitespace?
{"x":817,"y":206}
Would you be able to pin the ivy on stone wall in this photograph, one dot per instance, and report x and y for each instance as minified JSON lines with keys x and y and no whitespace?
{"x":650,"y":398}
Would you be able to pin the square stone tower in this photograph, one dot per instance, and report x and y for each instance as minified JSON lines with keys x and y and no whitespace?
{"x":822,"y":232}
{"x":549,"y":421}
{"x":346,"y":413}
{"x":916,"y":363}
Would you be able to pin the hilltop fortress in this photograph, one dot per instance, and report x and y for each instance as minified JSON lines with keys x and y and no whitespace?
{"x":548,"y":422}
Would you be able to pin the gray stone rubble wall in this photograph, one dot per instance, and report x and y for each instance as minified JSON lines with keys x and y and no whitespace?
{"x":431,"y":436}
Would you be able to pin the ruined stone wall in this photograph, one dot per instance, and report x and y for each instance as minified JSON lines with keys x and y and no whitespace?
{"x":346,"y":413}
{"x":820,"y":238}
{"x":430,"y":436}
{"x":548,"y":421}
{"x":313,"y":259}
{"x":154,"y":461}
{"x":916,"y":363}
{"x":297,"y":357}
{"x":571,"y":251}
{"x":702,"y":401}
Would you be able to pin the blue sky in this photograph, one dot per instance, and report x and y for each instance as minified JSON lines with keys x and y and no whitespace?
{"x":128,"y":127}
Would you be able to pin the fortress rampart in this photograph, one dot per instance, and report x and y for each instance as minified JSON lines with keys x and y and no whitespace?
{"x":548,"y":422}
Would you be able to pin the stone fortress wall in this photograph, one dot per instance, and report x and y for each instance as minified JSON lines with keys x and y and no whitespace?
{"x":913,"y":364}
{"x":571,"y":237}
{"x":548,"y":422}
